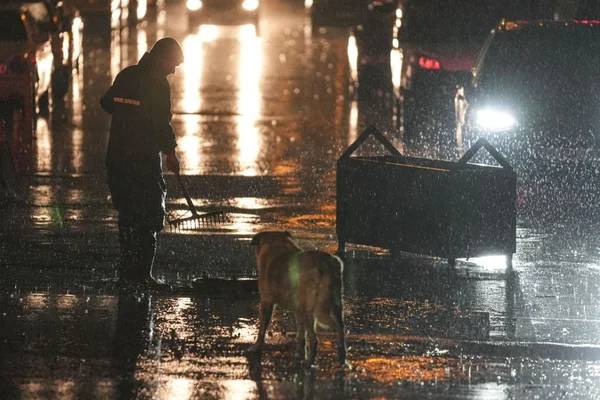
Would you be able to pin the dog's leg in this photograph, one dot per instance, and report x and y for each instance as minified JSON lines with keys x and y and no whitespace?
{"x":310,"y":347}
{"x":340,"y":328}
{"x":266,"y":310}
{"x":299,"y":337}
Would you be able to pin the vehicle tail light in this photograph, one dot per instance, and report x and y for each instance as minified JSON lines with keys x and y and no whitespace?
{"x":429,"y":63}
{"x":593,"y":22}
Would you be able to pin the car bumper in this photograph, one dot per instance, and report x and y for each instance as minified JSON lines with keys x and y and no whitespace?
{"x":222,"y":17}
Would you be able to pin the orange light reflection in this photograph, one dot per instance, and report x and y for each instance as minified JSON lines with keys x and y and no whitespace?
{"x":43,"y":146}
{"x":190,"y":147}
{"x":192,"y":73}
{"x":413,"y":369}
{"x":396,"y":58}
{"x":115,"y":53}
{"x":239,"y":390}
{"x":249,"y":100}
{"x":142,"y":40}
{"x":76,"y":119}
{"x":142,"y":8}
{"x":115,"y":13}
{"x":353,"y":134}
{"x":177,"y":388}
{"x":66,"y":302}
{"x":353,"y":57}
{"x":35,"y":301}
{"x":190,"y":143}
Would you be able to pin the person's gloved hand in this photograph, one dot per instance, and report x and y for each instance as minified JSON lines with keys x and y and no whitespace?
{"x":173,"y":162}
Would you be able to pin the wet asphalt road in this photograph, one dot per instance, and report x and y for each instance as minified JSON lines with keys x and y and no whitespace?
{"x":261,"y":122}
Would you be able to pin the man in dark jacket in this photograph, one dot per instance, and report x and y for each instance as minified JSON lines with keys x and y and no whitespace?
{"x":140,"y":103}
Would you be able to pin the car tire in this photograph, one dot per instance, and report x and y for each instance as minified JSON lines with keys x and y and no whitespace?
{"x":60,"y":82}
{"x":43,"y":105}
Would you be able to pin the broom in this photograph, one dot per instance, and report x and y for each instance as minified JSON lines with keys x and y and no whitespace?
{"x":196,"y":220}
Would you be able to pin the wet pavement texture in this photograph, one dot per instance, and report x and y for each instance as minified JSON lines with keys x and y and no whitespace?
{"x":260,"y":124}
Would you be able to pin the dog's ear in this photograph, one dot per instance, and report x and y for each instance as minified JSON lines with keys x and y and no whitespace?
{"x":256,"y":239}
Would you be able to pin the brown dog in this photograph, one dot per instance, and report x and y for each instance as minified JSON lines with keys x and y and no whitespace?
{"x":309,"y":283}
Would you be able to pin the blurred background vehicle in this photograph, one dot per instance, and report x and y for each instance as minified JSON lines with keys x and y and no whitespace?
{"x":26,"y":60}
{"x":440,"y":40}
{"x":223,"y":12}
{"x":66,"y":34}
{"x":116,"y":14}
{"x":65,"y":28}
{"x":534,"y":95}
{"x":337,"y":13}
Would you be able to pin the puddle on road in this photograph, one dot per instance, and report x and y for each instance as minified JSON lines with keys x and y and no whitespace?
{"x":193,"y":347}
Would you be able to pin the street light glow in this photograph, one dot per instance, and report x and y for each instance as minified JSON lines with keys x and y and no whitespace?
{"x":193,"y":5}
{"x":250,"y":5}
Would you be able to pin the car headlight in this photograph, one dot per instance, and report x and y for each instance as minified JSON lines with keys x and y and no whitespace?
{"x":250,"y":5}
{"x":494,"y":120}
{"x":193,"y":5}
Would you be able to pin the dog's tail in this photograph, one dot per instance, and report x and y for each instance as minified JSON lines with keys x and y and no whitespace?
{"x":330,"y":290}
{"x":336,"y":265}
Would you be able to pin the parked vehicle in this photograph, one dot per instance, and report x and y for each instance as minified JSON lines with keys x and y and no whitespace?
{"x":338,"y":13}
{"x":440,"y":40}
{"x":63,"y":24}
{"x":223,"y":12}
{"x":534,"y":94}
{"x":26,"y":59}
{"x":66,"y":34}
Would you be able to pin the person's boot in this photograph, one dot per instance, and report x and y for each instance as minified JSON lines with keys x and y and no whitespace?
{"x":127,"y":262}
{"x":147,"y":247}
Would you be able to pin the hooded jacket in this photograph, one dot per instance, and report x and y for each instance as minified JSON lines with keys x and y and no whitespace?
{"x":140,"y":103}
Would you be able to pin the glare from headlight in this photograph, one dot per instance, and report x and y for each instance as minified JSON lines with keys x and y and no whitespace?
{"x":494,"y":120}
{"x":193,"y":5}
{"x":250,"y":5}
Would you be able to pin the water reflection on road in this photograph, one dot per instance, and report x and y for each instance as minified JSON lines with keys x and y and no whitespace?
{"x":260,"y":122}
{"x":192,"y":346}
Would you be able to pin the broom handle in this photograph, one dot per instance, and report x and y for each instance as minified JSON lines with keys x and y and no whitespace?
{"x":187,"y":195}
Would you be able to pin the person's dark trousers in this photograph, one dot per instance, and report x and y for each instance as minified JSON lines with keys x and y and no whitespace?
{"x":138,"y":249}
{"x":146,"y":240}
{"x":138,"y":193}
{"x":128,"y":254}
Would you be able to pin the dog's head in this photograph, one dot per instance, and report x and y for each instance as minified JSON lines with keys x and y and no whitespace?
{"x":270,"y":237}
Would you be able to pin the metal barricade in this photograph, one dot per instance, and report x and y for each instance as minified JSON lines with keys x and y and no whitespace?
{"x":432,"y":207}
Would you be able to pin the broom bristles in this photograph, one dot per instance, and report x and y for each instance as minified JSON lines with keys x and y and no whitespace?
{"x":199,"y":220}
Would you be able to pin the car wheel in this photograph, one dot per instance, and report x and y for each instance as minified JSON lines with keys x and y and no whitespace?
{"x":44,"y":103}
{"x":60,"y":82}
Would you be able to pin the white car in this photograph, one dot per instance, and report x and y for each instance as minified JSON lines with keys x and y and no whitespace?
{"x":223,"y":12}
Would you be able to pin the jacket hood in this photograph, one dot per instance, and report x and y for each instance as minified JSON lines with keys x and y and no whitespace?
{"x":147,"y":63}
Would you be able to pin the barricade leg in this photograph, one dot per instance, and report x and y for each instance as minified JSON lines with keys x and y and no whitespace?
{"x":341,"y":251}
